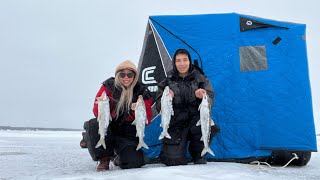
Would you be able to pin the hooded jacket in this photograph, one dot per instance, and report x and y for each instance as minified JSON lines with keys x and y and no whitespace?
{"x":185,"y":103}
{"x":121,"y":126}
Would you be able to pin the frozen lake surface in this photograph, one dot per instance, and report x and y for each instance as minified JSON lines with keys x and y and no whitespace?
{"x":57,"y":155}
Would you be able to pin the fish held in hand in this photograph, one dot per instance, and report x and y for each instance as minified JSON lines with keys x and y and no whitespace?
{"x":103,"y":118}
{"x":140,"y":122}
{"x":166,"y":112}
{"x":205,"y":122}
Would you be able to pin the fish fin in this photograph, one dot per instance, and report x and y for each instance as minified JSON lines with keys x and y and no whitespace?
{"x":211,"y":122}
{"x":168,"y":135}
{"x":198,"y":123}
{"x":145,"y":145}
{"x":138,"y":147}
{"x":199,"y":107}
{"x":137,"y":135}
{"x":98,"y":144}
{"x":210,"y":151}
{"x":134,"y":122}
{"x":161,"y":136}
{"x":203,"y":152}
{"x":201,"y":139}
{"x":142,"y":144}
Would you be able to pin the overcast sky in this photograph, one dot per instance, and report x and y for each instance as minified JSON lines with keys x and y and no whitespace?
{"x":54,"y":54}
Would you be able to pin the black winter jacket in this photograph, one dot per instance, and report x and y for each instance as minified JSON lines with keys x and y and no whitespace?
{"x":185,"y":103}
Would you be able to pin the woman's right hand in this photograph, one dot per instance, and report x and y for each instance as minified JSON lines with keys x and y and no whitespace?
{"x":171,"y":93}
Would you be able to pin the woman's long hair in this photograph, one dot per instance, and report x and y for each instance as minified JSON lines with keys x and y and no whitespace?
{"x":126,"y":95}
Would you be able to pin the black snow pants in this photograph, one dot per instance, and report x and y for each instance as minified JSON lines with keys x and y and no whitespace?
{"x":174,"y":150}
{"x":122,"y":149}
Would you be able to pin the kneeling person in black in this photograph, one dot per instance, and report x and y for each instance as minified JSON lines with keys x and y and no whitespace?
{"x":187,"y":87}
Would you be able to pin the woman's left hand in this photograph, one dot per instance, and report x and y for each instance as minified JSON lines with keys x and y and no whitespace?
{"x":133,"y":106}
{"x":200,"y":93}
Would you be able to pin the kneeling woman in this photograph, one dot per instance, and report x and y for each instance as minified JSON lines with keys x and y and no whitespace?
{"x":121,"y":140}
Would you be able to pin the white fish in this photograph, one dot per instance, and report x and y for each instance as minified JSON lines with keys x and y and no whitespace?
{"x":206,"y":122}
{"x":104,"y":118}
{"x":166,"y":112}
{"x":140,"y":121}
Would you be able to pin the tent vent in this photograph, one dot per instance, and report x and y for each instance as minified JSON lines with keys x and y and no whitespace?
{"x":247,"y":24}
{"x":276,"y":41}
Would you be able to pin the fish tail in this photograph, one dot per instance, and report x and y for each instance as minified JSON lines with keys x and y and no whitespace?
{"x":164,"y":134}
{"x":205,"y":150}
{"x":142,"y":144}
{"x":101,"y":142}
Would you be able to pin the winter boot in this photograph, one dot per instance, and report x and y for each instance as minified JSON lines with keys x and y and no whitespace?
{"x":83,"y":142}
{"x":103,"y":164}
{"x":200,"y":160}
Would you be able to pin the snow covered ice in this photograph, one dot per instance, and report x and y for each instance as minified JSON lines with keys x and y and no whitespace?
{"x":57,"y":155}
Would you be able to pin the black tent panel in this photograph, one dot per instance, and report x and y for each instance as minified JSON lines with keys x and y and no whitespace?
{"x":165,"y":57}
{"x":151,"y":69}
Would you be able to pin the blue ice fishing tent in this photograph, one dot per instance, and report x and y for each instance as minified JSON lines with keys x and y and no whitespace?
{"x":259,"y":70}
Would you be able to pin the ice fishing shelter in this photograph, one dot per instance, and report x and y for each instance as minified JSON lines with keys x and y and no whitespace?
{"x":259,"y":70}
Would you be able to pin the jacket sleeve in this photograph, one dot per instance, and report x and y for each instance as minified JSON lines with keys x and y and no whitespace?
{"x":159,"y":93}
{"x":95,"y":105}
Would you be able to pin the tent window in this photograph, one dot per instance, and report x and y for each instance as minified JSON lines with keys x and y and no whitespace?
{"x":253,"y":58}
